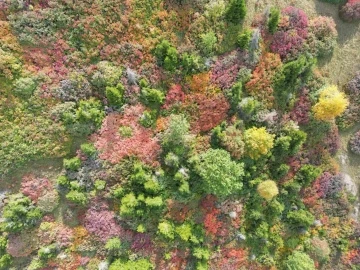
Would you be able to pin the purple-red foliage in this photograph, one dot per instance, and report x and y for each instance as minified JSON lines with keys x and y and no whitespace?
{"x":292,"y":32}
{"x":34,"y":187}
{"x":322,"y":184}
{"x":64,"y":236}
{"x":225,"y":69}
{"x":21,"y":245}
{"x":297,"y":19}
{"x":175,"y":95}
{"x":353,"y":86}
{"x":331,"y":141}
{"x":301,"y":110}
{"x":354,"y":143}
{"x":101,"y":222}
{"x":142,"y":242}
{"x":351,"y":11}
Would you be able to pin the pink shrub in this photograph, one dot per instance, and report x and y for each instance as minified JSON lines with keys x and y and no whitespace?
{"x":301,"y":110}
{"x":142,"y":242}
{"x":174,"y":96}
{"x":288,"y":41}
{"x":331,"y":141}
{"x":350,"y":11}
{"x":225,"y":69}
{"x":297,"y":19}
{"x":21,"y":245}
{"x":64,"y":236}
{"x":102,"y":224}
{"x":34,"y":187}
{"x":142,"y":143}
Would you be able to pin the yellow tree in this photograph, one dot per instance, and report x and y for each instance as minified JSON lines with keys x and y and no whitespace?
{"x":268,"y":189}
{"x":258,"y":142}
{"x":331,"y":103}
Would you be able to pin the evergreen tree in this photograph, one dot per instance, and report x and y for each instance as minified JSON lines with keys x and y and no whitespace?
{"x":236,"y":11}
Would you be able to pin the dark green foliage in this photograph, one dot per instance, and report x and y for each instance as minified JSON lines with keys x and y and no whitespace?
{"x":152,"y":97}
{"x":114,"y":95}
{"x":300,"y":218}
{"x":85,"y":119}
{"x":236,"y":11}
{"x":191,"y":63}
{"x":5,"y":262}
{"x":19,"y":214}
{"x":307,"y":174}
{"x":166,"y":55}
{"x":280,"y":171}
{"x":244,"y":39}
{"x":72,"y":164}
{"x":273,"y":20}
{"x":290,"y":79}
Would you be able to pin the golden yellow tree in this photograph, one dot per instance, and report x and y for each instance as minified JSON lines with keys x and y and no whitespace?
{"x":331,"y":103}
{"x":268,"y":189}
{"x":258,"y":142}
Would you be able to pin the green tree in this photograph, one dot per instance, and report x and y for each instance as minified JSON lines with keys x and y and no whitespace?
{"x":166,"y":55}
{"x":300,"y":218}
{"x":114,"y":95}
{"x":244,"y":39}
{"x":176,"y":137}
{"x":152,"y":97}
{"x":299,"y":261}
{"x":208,"y":42}
{"x":236,"y":11}
{"x":221,"y":176}
{"x":307,"y":174}
{"x":273,"y":20}
{"x":290,"y":78}
{"x":19,"y":214}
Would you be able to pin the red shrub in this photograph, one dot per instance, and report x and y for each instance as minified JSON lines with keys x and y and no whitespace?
{"x":174,"y":96}
{"x":21,"y":245}
{"x":226,"y":68}
{"x":34,"y":187}
{"x":142,"y":242}
{"x":260,"y":84}
{"x":207,"y":112}
{"x":293,"y":30}
{"x":113,"y":147}
{"x":351,"y":11}
{"x":102,"y":224}
{"x":301,"y":110}
{"x":229,"y":258}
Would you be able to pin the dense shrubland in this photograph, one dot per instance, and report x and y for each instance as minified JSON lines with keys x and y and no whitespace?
{"x":201,"y":144}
